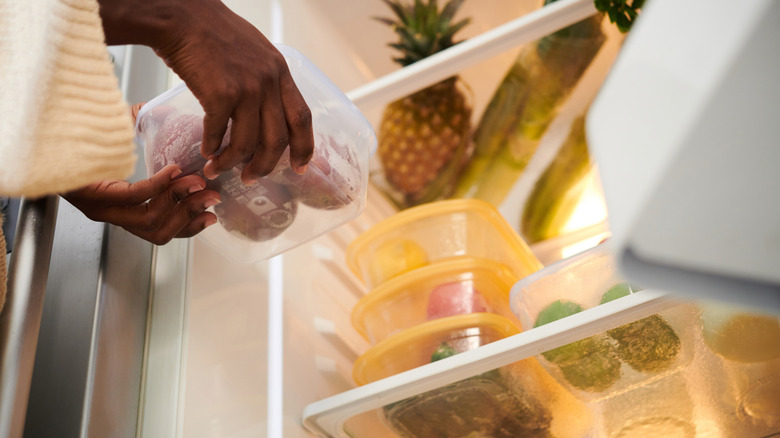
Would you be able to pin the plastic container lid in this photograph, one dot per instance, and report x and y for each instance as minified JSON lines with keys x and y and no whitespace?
{"x":283,"y":209}
{"x":447,"y":288}
{"x":414,"y":347}
{"x":437,"y":231}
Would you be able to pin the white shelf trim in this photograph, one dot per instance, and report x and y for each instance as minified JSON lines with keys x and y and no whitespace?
{"x":428,"y":71}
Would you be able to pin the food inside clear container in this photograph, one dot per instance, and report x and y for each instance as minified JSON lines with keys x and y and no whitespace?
{"x":509,"y":401}
{"x":283,"y":209}
{"x":438,"y":231}
{"x":617,"y":360}
{"x":741,"y":367}
{"x":448,"y":288}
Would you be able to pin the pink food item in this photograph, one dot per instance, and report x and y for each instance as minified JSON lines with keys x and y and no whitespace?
{"x":259,"y":212}
{"x":178,"y":142}
{"x":455,"y":298}
{"x":330,"y":182}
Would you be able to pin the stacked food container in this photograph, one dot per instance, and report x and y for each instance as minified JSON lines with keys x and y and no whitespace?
{"x":439,"y":277}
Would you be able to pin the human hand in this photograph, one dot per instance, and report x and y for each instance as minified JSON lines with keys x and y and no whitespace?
{"x":234,"y":72}
{"x":156,"y":209}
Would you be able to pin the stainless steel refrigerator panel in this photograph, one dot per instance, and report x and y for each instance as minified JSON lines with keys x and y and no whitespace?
{"x":89,"y":366}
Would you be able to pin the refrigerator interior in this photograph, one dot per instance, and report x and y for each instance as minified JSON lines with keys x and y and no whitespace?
{"x":256,"y":350}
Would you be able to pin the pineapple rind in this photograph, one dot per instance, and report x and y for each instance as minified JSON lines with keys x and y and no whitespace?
{"x":421,"y":140}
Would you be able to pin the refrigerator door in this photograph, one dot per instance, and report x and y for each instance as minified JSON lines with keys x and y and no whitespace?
{"x":687,"y":158}
{"x":91,"y":347}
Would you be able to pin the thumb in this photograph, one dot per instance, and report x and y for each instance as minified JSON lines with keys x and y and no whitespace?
{"x":143,"y":190}
{"x":124,"y":193}
{"x":135,"y":109}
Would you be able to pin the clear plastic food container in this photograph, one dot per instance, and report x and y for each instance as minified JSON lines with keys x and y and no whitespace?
{"x":434,"y":232}
{"x":508,"y":401}
{"x":742,"y":371}
{"x":283,"y":209}
{"x":614,"y":361}
{"x":454,"y":287}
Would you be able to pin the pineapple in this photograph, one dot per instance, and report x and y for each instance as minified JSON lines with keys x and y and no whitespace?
{"x":423,"y":137}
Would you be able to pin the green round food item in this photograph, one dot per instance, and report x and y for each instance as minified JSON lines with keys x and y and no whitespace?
{"x":443,"y":351}
{"x":557,"y":310}
{"x":594,"y":372}
{"x":619,"y":290}
{"x":647,"y":345}
{"x":589,"y":364}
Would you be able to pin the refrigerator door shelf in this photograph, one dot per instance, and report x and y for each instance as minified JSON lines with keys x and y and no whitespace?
{"x":327,"y":417}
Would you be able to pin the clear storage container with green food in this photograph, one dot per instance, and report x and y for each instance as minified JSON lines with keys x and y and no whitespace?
{"x":617,"y":360}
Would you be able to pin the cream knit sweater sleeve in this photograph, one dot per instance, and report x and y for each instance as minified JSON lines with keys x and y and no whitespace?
{"x":63,"y":122}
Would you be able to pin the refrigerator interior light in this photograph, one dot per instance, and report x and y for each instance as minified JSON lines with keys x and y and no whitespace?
{"x":591,"y":207}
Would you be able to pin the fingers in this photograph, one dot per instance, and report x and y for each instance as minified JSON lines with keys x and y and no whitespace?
{"x":114,"y":192}
{"x":214,"y":126}
{"x":244,"y":136}
{"x":176,"y":209}
{"x":275,"y":139}
{"x":135,"y":109}
{"x":186,"y":219}
{"x":299,"y":124}
{"x":285,"y":120}
{"x":269,"y":114}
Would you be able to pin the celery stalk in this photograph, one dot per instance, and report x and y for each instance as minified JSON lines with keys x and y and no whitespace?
{"x":523,"y":107}
{"x":550,"y":203}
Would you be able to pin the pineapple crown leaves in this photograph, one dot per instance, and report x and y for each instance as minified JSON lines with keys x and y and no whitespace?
{"x":621,"y":12}
{"x":422,"y":28}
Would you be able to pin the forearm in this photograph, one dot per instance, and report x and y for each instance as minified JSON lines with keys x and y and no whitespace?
{"x":153,"y":23}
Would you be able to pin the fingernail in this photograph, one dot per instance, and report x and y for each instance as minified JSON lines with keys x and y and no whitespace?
{"x":208,"y":170}
{"x":209,"y":222}
{"x":249,"y":181}
{"x":195,"y":188}
{"x":175,"y":173}
{"x":300,"y":170}
{"x":211,"y":202}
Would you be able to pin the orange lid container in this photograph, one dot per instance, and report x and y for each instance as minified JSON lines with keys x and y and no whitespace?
{"x":426,"y":342}
{"x":447,"y":288}
{"x":438,"y":231}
